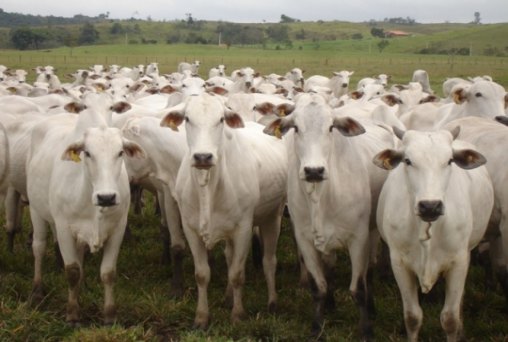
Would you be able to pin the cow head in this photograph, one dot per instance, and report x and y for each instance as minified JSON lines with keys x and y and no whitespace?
{"x":206,"y":122}
{"x":101,"y":151}
{"x":313,"y":125}
{"x":427,"y":159}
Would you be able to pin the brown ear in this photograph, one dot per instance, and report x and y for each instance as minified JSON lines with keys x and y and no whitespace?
{"x":347,"y":126}
{"x":75,"y":107}
{"x":120,"y":107}
{"x":233,"y":120}
{"x":167,"y":90}
{"x":132,"y":149}
{"x":219,"y":90}
{"x":387,"y":159}
{"x":265,"y":108}
{"x":459,"y":95}
{"x":72,"y":152}
{"x":279,"y":127}
{"x":391,"y":100}
{"x":468,"y":159}
{"x":173,"y":120}
{"x":285,"y":109}
{"x":355,"y":95}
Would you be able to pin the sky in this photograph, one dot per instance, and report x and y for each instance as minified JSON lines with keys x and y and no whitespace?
{"x":258,"y":11}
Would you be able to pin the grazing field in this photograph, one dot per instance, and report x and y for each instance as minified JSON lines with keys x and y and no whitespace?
{"x":315,"y":58}
{"x":146,"y":311}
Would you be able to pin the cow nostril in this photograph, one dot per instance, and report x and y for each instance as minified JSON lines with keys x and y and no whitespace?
{"x":106,"y":200}
{"x":203,"y":160}
{"x":314,"y":174}
{"x":430,"y":210}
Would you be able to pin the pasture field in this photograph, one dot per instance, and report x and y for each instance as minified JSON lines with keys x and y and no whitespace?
{"x":315,"y":58}
{"x":146,"y":311}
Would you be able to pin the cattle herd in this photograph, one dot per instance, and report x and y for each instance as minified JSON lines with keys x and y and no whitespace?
{"x":225,"y":156}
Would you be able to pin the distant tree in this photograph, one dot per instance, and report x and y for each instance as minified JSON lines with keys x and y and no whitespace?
{"x":357,"y":36}
{"x":285,"y":19}
{"x":25,"y":38}
{"x":382,"y":45}
{"x":477,"y":18}
{"x":377,"y":32}
{"x":190,"y":19}
{"x":300,"y":35}
{"x":278,"y":33}
{"x":88,"y":35}
{"x":117,"y":28}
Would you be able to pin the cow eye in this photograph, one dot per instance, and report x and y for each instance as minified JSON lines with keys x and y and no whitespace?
{"x":87,"y":154}
{"x":186,"y":119}
{"x":120,"y":154}
{"x":450,"y":161}
{"x":478,"y":94}
{"x":296,"y":128}
{"x":222,"y":120}
{"x":408,"y":162}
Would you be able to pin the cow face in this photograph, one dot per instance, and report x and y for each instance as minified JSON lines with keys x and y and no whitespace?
{"x":428,"y":159}
{"x":313,"y":125}
{"x":205,"y":117}
{"x":101,"y":151}
{"x":484,"y":98}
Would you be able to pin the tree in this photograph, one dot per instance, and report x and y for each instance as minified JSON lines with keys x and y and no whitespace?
{"x":285,"y":19}
{"x":477,"y":18}
{"x":278,"y":33}
{"x":117,"y":28}
{"x":377,"y":32}
{"x":25,"y":38}
{"x":382,"y":45}
{"x":89,"y":35}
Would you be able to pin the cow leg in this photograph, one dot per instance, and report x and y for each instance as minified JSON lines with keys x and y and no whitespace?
{"x":164,"y":228}
{"x":317,"y":281}
{"x":172,"y":214}
{"x":39,"y":250}
{"x":359,"y":254}
{"x":13,"y":214}
{"x":108,"y":272}
{"x":451,"y":318}
{"x":408,"y":288}
{"x":202,"y":275}
{"x":72,"y":257}
{"x":503,"y":273}
{"x":270,"y":236}
{"x":236,"y":270}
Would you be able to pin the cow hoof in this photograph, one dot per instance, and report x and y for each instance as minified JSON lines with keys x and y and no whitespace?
{"x":37,"y":295}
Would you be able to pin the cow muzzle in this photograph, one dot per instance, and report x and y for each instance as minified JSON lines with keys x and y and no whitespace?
{"x":203,"y":161}
{"x":429,"y":211}
{"x":106,"y":200}
{"x":314,"y":174}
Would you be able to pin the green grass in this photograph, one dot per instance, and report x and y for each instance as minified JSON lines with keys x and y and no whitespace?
{"x":314,"y":57}
{"x":146,"y":312}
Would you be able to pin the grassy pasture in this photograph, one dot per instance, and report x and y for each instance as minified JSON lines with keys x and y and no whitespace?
{"x":322,"y":59}
{"x":146,"y":312}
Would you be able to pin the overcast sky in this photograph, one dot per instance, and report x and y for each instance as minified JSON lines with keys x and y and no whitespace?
{"x":256,"y":11}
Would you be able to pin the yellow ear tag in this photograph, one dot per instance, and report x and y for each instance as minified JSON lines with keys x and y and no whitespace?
{"x":75,"y":157}
{"x":277,"y":132}
{"x":173,"y":126}
{"x":282,"y":112}
{"x":386,"y":163}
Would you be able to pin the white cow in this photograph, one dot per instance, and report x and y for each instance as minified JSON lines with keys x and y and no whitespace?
{"x":491,"y":140}
{"x":192,"y":68}
{"x":77,"y":183}
{"x":331,"y":190}
{"x":338,"y":84}
{"x":482,"y":98}
{"x":219,"y":70}
{"x":433,"y":209}
{"x":230,"y":180}
{"x":422,"y":77}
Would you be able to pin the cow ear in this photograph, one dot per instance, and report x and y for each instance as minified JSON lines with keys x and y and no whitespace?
{"x":233,"y":120}
{"x":173,"y":119}
{"x":264,"y":108}
{"x":468,"y":159}
{"x":167,"y":89}
{"x":132,"y":149}
{"x":279,"y":127}
{"x":388,"y":159}
{"x":506,"y":101}
{"x":348,"y":126}
{"x":285,"y":109}
{"x":219,"y":90}
{"x":120,"y":107}
{"x":72,"y":152}
{"x":391,"y":100}
{"x":75,"y":107}
{"x":502,"y":119}
{"x":356,"y":95}
{"x":459,"y":95}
